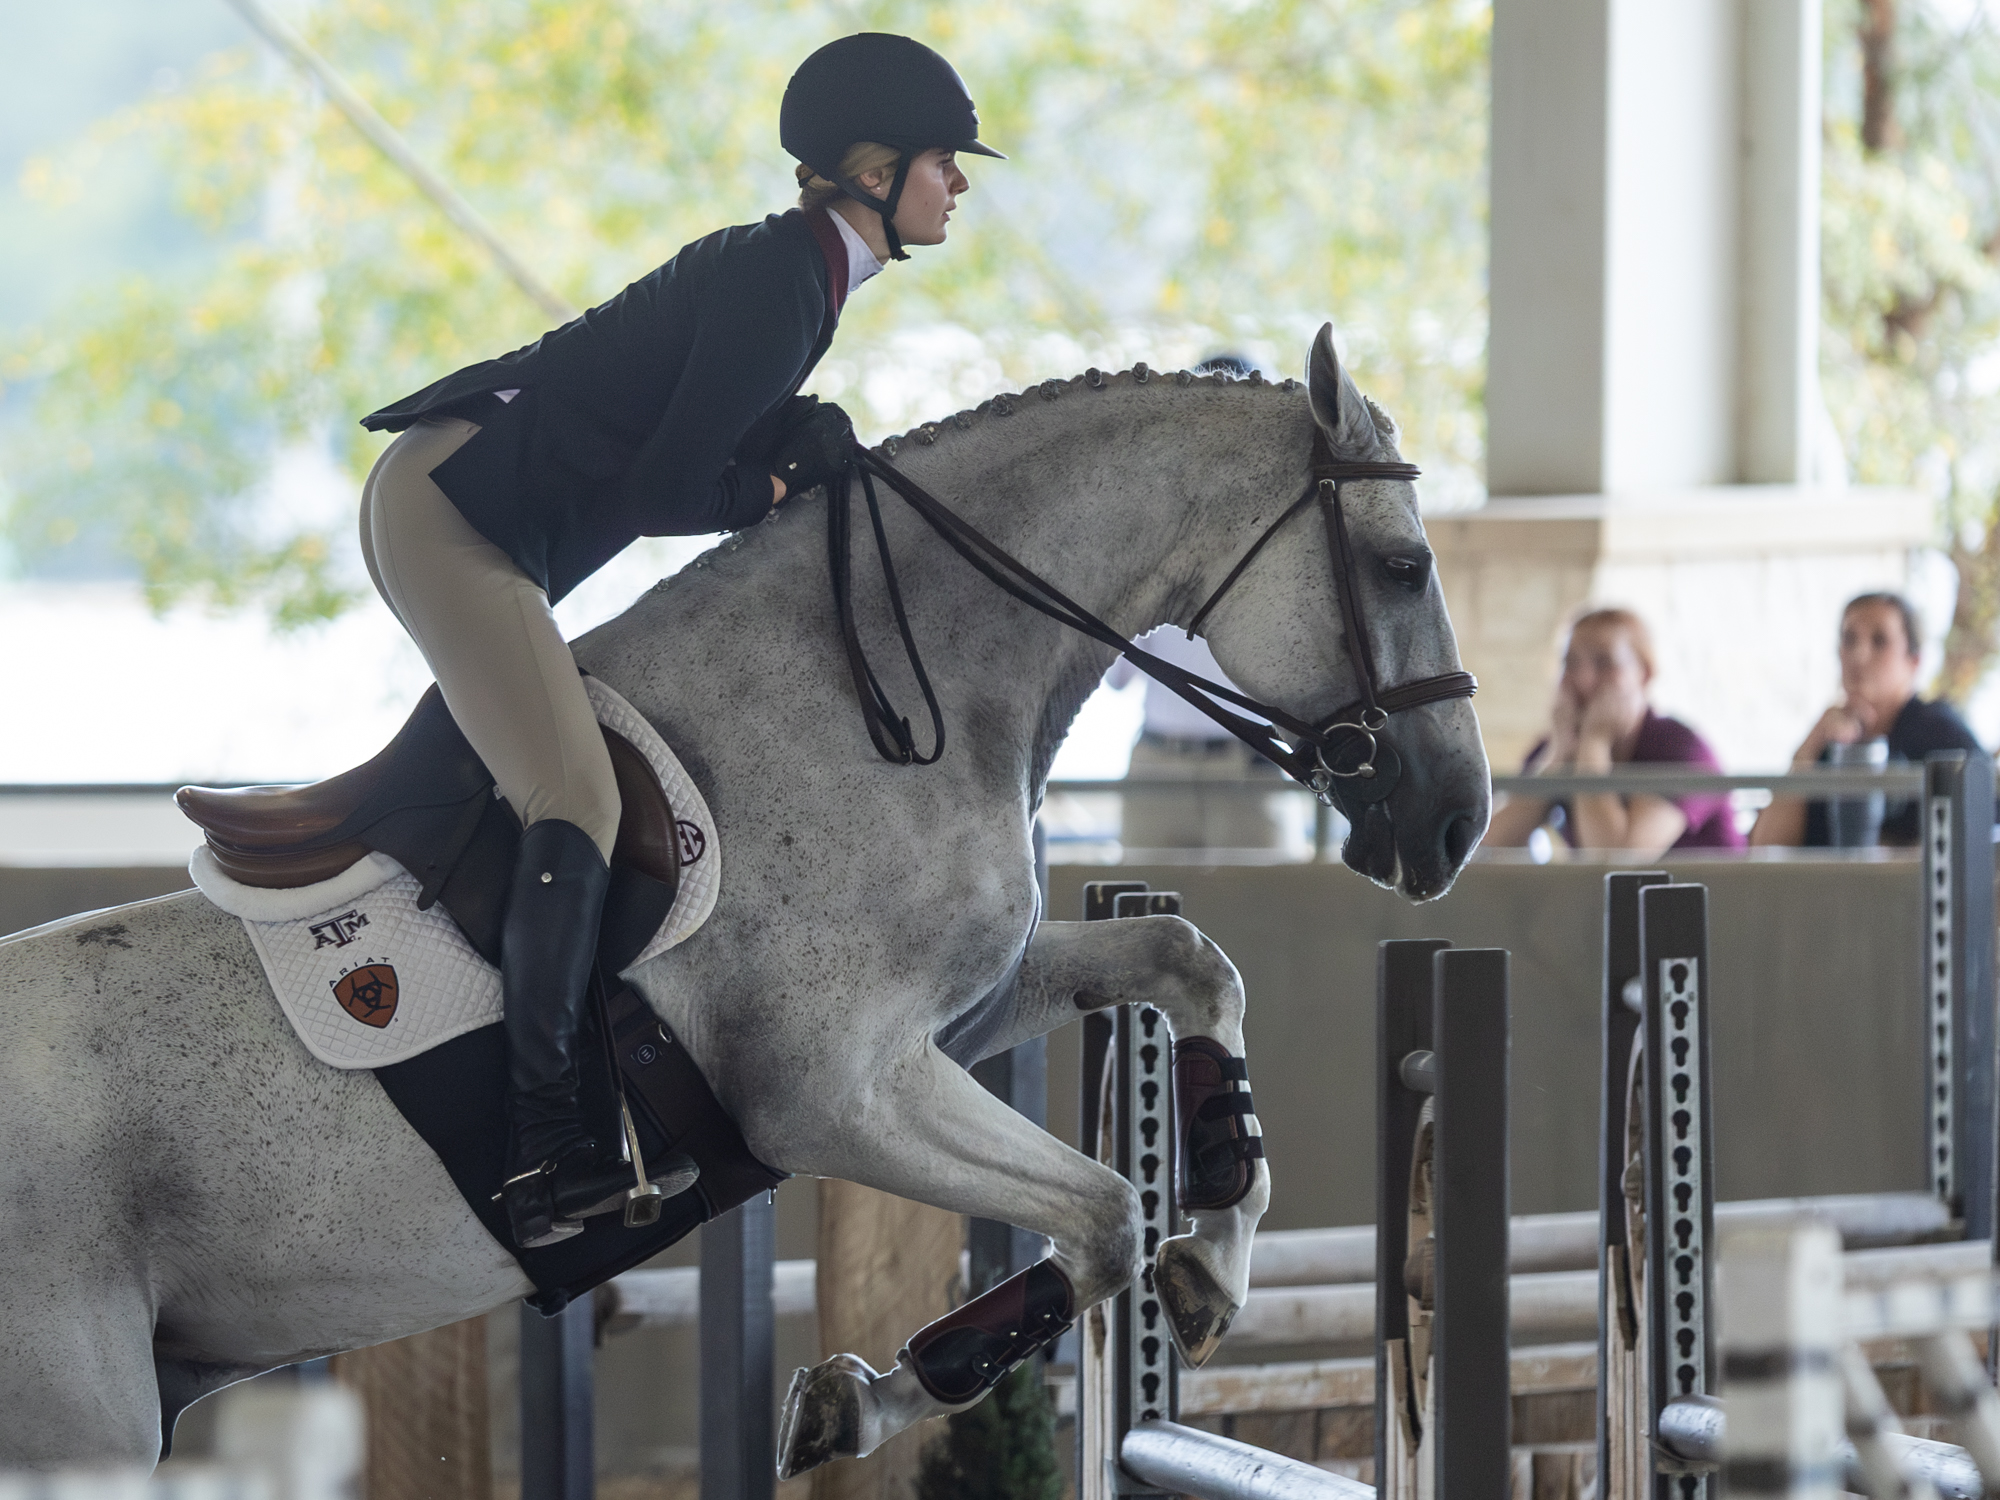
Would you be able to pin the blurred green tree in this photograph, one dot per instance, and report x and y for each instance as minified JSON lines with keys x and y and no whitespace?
{"x":1186,"y":176}
{"x":1911,"y":236}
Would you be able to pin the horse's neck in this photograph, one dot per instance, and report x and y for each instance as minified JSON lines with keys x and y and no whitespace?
{"x":1121,"y":498}
{"x":1128,"y":499}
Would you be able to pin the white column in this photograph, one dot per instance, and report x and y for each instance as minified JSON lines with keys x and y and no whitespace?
{"x":1545,"y":360}
{"x":1654,"y":244}
{"x":1778,"y":376}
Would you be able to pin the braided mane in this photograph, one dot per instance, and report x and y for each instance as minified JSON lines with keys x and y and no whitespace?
{"x":1093,"y":379}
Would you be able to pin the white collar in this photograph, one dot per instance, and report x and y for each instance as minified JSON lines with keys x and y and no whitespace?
{"x":861,"y":261}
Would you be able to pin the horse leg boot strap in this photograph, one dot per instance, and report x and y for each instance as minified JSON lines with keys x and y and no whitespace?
{"x":1218,"y":1155}
{"x":555,"y":1170}
{"x":962,"y":1356}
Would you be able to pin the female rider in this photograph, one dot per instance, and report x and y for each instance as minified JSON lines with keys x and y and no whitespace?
{"x":671,"y":410}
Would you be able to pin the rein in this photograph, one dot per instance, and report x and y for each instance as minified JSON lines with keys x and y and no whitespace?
{"x":1324,"y":758}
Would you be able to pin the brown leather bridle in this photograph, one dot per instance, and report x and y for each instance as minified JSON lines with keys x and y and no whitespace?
{"x":1324,"y":758}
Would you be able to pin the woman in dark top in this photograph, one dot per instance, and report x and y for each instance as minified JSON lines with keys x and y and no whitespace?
{"x":1879,"y":646}
{"x":671,"y":410}
{"x":1601,"y":719}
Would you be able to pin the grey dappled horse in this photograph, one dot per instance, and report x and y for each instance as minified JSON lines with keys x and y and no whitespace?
{"x":191,"y":1198}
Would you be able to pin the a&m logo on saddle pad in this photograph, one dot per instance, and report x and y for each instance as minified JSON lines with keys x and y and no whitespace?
{"x":368,"y":994}
{"x":338,"y":932}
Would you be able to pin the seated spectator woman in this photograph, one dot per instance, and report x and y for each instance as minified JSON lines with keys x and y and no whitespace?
{"x":1601,"y":719}
{"x":1879,"y":645}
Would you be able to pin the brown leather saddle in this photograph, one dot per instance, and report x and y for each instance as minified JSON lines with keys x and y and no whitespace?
{"x":429,"y":803}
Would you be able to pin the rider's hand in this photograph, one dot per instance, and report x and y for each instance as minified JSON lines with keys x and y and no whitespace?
{"x":814,"y":448}
{"x":1565,"y":717}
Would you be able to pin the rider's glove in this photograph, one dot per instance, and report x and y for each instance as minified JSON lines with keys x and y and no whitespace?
{"x":814,"y":446}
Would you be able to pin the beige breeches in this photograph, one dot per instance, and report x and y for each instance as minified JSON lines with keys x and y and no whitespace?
{"x":489,"y":637}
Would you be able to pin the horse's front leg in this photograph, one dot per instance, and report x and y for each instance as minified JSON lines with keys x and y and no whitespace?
{"x":920,"y":1127}
{"x":929,"y":1132}
{"x":1203,"y":1276}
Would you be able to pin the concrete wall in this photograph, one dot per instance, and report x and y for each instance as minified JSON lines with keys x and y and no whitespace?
{"x":1742,"y":588}
{"x":1818,"y":1067}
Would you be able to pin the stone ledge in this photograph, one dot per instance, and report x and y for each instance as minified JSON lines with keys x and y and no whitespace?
{"x":1742,"y":586}
{"x":1713,"y":522}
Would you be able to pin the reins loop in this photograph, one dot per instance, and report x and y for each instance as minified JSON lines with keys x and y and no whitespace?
{"x":1322,"y":760}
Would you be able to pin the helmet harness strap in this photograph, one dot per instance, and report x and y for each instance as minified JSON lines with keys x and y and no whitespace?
{"x":886,"y":207}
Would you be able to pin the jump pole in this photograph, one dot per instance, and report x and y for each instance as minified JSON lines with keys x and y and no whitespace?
{"x":1128,"y":1442}
{"x":1656,"y":1351}
{"x":1443,"y":1404}
{"x":1127,"y":1370}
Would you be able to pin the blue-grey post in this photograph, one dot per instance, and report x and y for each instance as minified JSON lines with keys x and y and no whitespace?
{"x":737,"y":1443}
{"x":1957,"y":818}
{"x":1403,"y":1015}
{"x":1680,"y":1160}
{"x":1620,"y":1030}
{"x":558,"y":1460}
{"x":1469,"y":1216}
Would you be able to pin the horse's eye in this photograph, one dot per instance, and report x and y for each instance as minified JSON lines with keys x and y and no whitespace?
{"x":1411,"y":572}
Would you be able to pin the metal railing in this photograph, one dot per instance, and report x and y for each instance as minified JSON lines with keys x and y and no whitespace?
{"x":1676,"y":781}
{"x":1897,"y":783}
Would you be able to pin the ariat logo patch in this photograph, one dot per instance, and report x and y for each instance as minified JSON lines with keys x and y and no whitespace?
{"x":368,"y":994}
{"x":338,"y":932}
{"x":694,"y":843}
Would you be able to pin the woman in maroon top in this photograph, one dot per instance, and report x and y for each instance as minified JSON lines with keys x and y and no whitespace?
{"x":1601,"y":719}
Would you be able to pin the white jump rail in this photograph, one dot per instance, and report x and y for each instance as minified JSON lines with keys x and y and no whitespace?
{"x":1316,"y":1286}
{"x":1802,"y":1416}
{"x":1186,"y":1461}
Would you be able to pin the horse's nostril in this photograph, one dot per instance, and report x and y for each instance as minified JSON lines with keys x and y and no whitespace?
{"x":1459,"y":835}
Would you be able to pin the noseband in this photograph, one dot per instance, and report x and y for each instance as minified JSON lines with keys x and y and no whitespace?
{"x":1340,"y":758}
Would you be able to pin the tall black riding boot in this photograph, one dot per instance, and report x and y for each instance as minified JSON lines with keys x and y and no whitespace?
{"x":547,"y":948}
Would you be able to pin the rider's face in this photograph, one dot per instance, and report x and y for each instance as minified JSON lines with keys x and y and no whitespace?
{"x":930,"y":193}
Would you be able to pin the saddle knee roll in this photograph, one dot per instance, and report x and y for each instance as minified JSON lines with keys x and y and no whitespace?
{"x":1218,"y":1155}
{"x":963,"y":1355}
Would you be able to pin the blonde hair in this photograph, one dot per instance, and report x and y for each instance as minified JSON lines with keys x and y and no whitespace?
{"x":863,"y":156}
{"x":1616,"y":617}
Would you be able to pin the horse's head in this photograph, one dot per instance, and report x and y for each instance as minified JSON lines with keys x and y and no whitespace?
{"x":1281,"y":637}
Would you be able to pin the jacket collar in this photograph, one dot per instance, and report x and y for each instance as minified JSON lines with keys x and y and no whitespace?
{"x":820,"y":222}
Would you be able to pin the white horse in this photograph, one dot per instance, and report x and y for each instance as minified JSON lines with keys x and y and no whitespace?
{"x":191,"y":1198}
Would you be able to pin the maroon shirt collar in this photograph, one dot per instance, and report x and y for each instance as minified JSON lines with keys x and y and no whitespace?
{"x":820,"y":222}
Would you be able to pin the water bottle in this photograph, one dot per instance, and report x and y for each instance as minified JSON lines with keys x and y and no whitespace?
{"x":1856,"y":822}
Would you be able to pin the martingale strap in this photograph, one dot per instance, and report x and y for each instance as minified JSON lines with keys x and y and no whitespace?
{"x":1352,"y":728}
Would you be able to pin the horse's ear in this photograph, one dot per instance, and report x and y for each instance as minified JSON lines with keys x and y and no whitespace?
{"x":1337,"y":405}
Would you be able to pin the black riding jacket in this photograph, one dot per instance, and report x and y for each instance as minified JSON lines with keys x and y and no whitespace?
{"x":650,"y":415}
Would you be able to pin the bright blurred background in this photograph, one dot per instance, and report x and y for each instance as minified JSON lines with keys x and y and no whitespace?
{"x":208,"y":276}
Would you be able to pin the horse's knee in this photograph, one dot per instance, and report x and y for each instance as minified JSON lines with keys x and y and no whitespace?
{"x":1101,"y":1254}
{"x":1209,"y":987}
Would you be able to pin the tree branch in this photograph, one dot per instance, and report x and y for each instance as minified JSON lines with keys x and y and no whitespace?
{"x":1879,"y":130}
{"x":380,"y":134}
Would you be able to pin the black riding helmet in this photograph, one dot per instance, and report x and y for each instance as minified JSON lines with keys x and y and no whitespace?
{"x":876,"y":87}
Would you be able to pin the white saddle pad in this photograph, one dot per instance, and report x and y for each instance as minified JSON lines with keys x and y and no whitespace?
{"x":368,"y":980}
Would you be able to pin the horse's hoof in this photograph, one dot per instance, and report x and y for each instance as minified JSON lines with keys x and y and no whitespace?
{"x":1199,"y":1311}
{"x":822,"y":1416}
